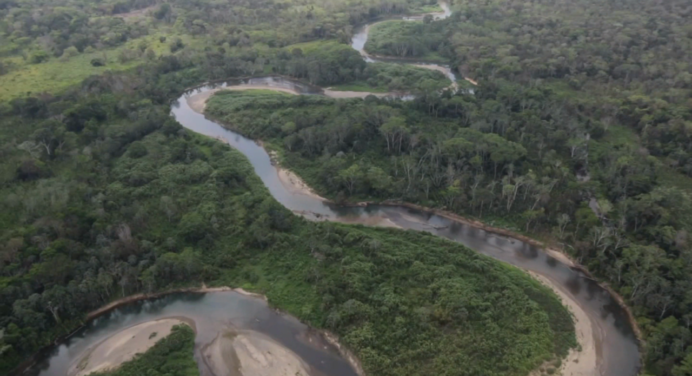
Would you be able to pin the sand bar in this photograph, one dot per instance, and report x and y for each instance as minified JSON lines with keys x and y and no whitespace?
{"x":122,"y":347}
{"x":248,"y":353}
{"x":583,"y":361}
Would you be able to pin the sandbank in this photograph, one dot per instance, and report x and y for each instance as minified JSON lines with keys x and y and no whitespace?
{"x":248,"y":353}
{"x":584,"y":360}
{"x":122,"y":347}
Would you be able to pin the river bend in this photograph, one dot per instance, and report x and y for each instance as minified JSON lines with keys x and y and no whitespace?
{"x":615,"y":345}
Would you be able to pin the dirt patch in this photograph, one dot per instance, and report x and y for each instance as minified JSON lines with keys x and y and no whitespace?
{"x":295,"y":185}
{"x":248,"y":353}
{"x":122,"y":346}
{"x":473,"y":82}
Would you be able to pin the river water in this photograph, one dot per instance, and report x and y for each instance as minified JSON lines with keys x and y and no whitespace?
{"x":210,"y":313}
{"x":616,"y":345}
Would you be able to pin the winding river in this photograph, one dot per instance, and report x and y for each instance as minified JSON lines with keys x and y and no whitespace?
{"x":608,"y":344}
{"x":209,"y":314}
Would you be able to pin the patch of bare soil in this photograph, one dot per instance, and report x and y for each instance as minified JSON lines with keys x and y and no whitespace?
{"x":294,"y":184}
{"x":247,"y":353}
{"x":122,"y":347}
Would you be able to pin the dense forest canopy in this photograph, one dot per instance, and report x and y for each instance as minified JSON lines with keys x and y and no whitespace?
{"x":579,"y":133}
{"x":116,"y":198}
{"x":105,"y":195}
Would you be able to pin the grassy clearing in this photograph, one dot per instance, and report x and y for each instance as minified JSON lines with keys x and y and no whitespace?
{"x":56,"y":75}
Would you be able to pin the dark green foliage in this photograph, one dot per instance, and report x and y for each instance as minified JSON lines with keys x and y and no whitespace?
{"x":401,"y":77}
{"x":608,"y":102}
{"x":431,"y":298}
{"x":39,"y":57}
{"x":98,"y":62}
{"x":323,"y":64}
{"x":130,"y":203}
{"x":408,"y":39}
{"x":137,"y":150}
{"x":501,"y":156}
{"x":177,"y":45}
{"x":162,"y":12}
{"x":170,"y":356}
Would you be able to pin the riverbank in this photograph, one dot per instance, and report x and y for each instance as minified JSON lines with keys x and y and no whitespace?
{"x":556,"y":253}
{"x":123,"y":346}
{"x":249,"y":353}
{"x":233,"y":352}
{"x":345,"y":353}
{"x":295,"y":185}
{"x":146,"y":296}
{"x":585,"y":360}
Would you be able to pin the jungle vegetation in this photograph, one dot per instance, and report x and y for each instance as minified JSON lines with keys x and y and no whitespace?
{"x":51,"y":47}
{"x":613,"y":81}
{"x":105,"y":195}
{"x":578,"y":133}
{"x":592,"y":159}
{"x":425,"y":41}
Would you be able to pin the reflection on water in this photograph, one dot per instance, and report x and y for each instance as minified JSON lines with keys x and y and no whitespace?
{"x":213,"y":311}
{"x":613,"y":332}
{"x":210,"y":314}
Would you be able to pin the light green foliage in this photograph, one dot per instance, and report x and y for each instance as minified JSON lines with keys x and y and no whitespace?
{"x":58,"y":74}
